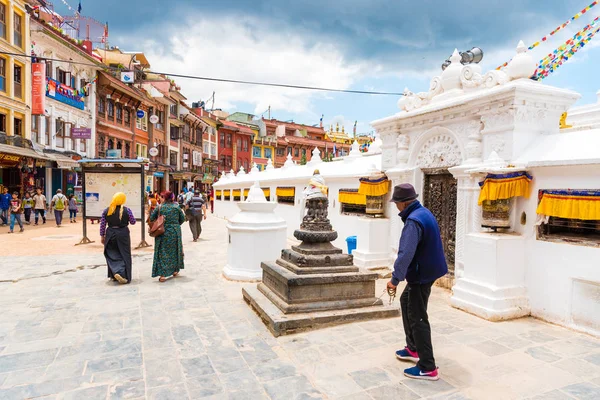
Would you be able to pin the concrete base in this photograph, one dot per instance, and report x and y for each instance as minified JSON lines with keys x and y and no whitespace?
{"x":493,"y":282}
{"x":235,"y":274}
{"x":283,"y":324}
{"x":493,"y":304}
{"x":373,"y":243}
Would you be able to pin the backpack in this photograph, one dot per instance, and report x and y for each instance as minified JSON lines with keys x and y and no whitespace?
{"x":60,"y":203}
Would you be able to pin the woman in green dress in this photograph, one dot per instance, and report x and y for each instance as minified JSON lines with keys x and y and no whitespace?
{"x":168,"y":247}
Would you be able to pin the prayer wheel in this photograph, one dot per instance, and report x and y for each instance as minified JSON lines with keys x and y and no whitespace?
{"x":496,"y":214}
{"x":375,"y":206}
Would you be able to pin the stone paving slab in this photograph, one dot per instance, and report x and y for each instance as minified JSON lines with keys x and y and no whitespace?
{"x":68,"y":333}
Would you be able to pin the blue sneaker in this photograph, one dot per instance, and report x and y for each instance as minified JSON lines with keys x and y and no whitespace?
{"x":416,"y":373}
{"x":407,"y":355}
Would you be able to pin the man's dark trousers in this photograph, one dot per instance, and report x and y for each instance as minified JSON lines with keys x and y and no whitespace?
{"x":196,"y":224}
{"x":413,"y":303}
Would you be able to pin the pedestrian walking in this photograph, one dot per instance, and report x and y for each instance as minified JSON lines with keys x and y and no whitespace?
{"x":16,"y":210}
{"x":40,"y":206}
{"x":168,"y":247}
{"x":196,"y":211}
{"x":5,"y":199}
{"x":211,"y":200}
{"x":181,"y":199}
{"x":114,"y":231}
{"x":58,"y":203}
{"x":28,"y":204}
{"x":421,"y":261}
{"x":72,"y":209}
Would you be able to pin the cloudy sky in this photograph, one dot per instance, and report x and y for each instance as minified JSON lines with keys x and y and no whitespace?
{"x":380,"y":45}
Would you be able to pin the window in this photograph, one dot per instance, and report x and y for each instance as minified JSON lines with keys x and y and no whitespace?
{"x":142,"y":123}
{"x":18,"y":87}
{"x":213,"y":149}
{"x":141,"y":150}
{"x":280,"y":152}
{"x":48,"y":69}
{"x":206,"y":151}
{"x":173,"y":158}
{"x":47,"y":131}
{"x":245,"y":144}
{"x":268,"y":153}
{"x":296,"y":152}
{"x":35,"y":129}
{"x":18,"y":127}
{"x":175,"y":133}
{"x":82,"y":145}
{"x":63,"y":77}
{"x":2,"y":20}
{"x":101,"y":107}
{"x":2,"y":73}
{"x":119,"y":113}
{"x":18,"y":30}
{"x":229,"y":139}
{"x":238,"y":142}
{"x":289,"y":151}
{"x":68,"y":136}
{"x":60,"y":133}
{"x":3,"y":123}
{"x":161,"y":120}
{"x":111,"y":109}
{"x":256,"y":152}
{"x":222,"y":140}
{"x":303,"y":152}
{"x":570,"y":230}
{"x":286,"y":195}
{"x":127,"y":116}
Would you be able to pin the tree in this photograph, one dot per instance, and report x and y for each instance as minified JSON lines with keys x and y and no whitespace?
{"x":303,"y":160}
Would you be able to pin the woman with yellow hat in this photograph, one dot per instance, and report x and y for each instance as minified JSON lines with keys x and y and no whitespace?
{"x":116,"y":238}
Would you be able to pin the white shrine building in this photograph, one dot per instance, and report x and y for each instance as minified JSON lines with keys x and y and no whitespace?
{"x":497,"y":139}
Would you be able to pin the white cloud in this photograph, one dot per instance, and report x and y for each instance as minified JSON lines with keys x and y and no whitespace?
{"x":245,"y":49}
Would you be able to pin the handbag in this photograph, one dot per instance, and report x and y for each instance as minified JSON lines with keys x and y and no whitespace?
{"x":157,"y":228}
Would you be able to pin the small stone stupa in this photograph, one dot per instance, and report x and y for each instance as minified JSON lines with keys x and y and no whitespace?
{"x":314,"y":284}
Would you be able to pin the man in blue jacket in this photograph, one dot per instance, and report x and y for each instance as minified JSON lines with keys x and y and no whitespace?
{"x":5,"y":199}
{"x":421,"y":261}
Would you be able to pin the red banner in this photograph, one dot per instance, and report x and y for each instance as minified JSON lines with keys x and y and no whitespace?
{"x":38,"y":89}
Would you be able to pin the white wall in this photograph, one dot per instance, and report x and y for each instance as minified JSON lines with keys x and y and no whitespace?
{"x":553,"y":269}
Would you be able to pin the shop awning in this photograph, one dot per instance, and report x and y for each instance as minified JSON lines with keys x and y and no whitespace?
{"x":22,"y":152}
{"x":62,"y":161}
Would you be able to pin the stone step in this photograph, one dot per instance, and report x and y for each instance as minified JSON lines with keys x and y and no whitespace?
{"x":319,"y":269}
{"x":281,"y":324}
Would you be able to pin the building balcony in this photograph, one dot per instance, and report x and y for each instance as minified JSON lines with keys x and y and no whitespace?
{"x":64,"y":94}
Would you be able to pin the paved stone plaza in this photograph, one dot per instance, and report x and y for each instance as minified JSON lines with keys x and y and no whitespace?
{"x":68,"y":333}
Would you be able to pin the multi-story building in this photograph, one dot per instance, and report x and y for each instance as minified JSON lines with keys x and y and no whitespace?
{"x":263,"y":145}
{"x":66,"y":127}
{"x":191,"y":146}
{"x":340,"y":140}
{"x":18,"y":159}
{"x":210,"y":161}
{"x":234,"y":146}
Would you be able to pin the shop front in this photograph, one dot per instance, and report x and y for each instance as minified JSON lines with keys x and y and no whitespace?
{"x":21,"y":169}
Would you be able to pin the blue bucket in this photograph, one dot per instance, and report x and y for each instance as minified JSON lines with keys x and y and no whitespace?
{"x":351,"y":241}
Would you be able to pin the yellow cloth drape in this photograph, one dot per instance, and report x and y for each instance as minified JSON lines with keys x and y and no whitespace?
{"x":218,"y":193}
{"x":246,"y":191}
{"x":226,"y":193}
{"x":572,"y":207}
{"x":352,"y":198}
{"x":118,"y":199}
{"x":374,"y":188}
{"x":504,"y":188}
{"x":267,"y":192}
{"x":237,"y":192}
{"x":285,"y":192}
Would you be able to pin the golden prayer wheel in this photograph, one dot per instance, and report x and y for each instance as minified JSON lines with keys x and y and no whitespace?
{"x":495,"y":214}
{"x":375,"y":206}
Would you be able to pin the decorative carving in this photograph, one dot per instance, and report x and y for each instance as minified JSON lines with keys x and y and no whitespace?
{"x":495,"y":78}
{"x":439,"y":152}
{"x":530,"y":115}
{"x":440,"y":196}
{"x":470,"y":76}
{"x":498,"y":121}
{"x":495,"y":143}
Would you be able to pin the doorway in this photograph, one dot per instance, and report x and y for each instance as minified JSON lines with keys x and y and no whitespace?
{"x":439,"y":196}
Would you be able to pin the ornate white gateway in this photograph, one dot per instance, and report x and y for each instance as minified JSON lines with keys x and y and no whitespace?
{"x":439,"y":141}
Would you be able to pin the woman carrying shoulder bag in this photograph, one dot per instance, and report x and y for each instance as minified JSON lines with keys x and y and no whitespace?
{"x":168,"y":247}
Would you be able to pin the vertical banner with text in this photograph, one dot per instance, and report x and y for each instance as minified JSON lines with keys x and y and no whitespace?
{"x":38,"y":89}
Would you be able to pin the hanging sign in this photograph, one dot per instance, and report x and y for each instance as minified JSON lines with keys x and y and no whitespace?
{"x":153,"y":151}
{"x":140,"y":114}
{"x":38,"y":89}
{"x":154,"y":119}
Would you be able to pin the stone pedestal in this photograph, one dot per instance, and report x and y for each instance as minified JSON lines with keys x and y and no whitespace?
{"x":314,"y":284}
{"x":493,"y":281}
{"x":373,"y":243}
{"x":255,"y":234}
